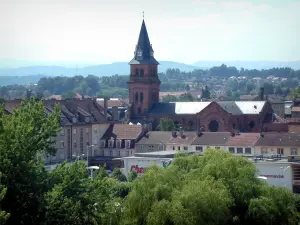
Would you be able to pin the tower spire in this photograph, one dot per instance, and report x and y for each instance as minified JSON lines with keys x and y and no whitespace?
{"x":143,"y":52}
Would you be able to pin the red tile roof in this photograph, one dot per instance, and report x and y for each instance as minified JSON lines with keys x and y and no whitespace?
{"x":243,"y":139}
{"x":123,"y":132}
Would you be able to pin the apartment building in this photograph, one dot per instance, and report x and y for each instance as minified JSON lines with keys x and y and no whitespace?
{"x":77,"y":120}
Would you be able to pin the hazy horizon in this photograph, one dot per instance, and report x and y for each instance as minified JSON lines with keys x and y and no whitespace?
{"x":100,"y":32}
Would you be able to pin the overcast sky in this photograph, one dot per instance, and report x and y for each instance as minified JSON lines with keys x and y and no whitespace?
{"x":105,"y":31}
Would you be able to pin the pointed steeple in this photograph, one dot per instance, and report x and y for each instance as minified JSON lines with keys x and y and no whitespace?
{"x":144,"y":53}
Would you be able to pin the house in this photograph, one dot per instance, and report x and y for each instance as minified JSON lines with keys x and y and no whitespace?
{"x":284,"y":144}
{"x":119,"y":140}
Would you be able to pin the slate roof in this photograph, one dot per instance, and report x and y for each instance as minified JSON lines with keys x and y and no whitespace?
{"x":279,"y":139}
{"x":212,"y":138}
{"x":233,"y":107}
{"x":123,"y":132}
{"x":155,"y":137}
{"x":145,"y":48}
{"x":69,"y":109}
{"x":178,"y":107}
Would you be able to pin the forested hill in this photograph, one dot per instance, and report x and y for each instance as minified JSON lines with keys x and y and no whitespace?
{"x":121,"y":68}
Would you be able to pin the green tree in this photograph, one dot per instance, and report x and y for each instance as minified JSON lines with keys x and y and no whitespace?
{"x":205,"y":93}
{"x":186,"y":97}
{"x":169,"y":98}
{"x":118,"y":175}
{"x":75,"y":198}
{"x":166,"y":124}
{"x":3,"y":215}
{"x":216,"y":188}
{"x":296,"y":93}
{"x":24,"y":135}
{"x":69,"y":95}
{"x":132,"y":175}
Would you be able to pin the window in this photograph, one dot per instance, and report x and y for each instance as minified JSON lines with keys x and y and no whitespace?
{"x":213,"y":126}
{"x":178,"y":148}
{"x":102,"y":143}
{"x":75,"y":144}
{"x":127,"y":153}
{"x":293,"y":151}
{"x":127,"y":143}
{"x":74,"y":120}
{"x":173,"y":147}
{"x":141,"y":97}
{"x":87,"y":119}
{"x":74,"y":131}
{"x":119,"y":153}
{"x":62,"y":132}
{"x":199,"y":148}
{"x":95,"y":130}
{"x":111,"y":143}
{"x":136,"y":71}
{"x":231,"y":149}
{"x":280,"y":151}
{"x":216,"y":147}
{"x":239,"y":150}
{"x":185,"y":148}
{"x":119,"y":143}
{"x":142,"y":147}
{"x":86,"y":130}
{"x":139,"y":110}
{"x":264,"y":151}
{"x":110,"y":153}
{"x":62,"y":144}
{"x":136,"y":97}
{"x":142,"y":72}
{"x":248,"y":151}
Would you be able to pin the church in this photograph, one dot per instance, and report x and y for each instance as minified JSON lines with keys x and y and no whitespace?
{"x":210,"y":116}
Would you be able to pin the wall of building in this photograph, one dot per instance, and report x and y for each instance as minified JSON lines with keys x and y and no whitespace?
{"x":97,"y":132}
{"x":140,"y":163}
{"x":285,"y":151}
{"x":278,"y":174}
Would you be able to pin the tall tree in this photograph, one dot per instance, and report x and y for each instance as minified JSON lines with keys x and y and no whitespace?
{"x":23,"y":136}
{"x":3,"y":215}
{"x":166,"y":124}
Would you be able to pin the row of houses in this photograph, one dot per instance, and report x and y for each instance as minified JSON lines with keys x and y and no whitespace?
{"x":284,"y":144}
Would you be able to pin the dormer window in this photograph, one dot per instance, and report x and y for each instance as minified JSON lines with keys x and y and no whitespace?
{"x":139,"y":53}
{"x":152,"y":53}
{"x":62,"y":132}
{"x":111,"y":143}
{"x":74,"y":120}
{"x":119,"y":143}
{"x":128,"y":143}
{"x":87,"y":119}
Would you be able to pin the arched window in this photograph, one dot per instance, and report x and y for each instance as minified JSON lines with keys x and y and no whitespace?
{"x":136,"y":71}
{"x":213,"y":126}
{"x":142,"y":72}
{"x":141,"y":97}
{"x":136,"y":97}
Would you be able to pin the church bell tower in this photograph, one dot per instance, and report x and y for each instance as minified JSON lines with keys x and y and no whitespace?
{"x":143,"y":84}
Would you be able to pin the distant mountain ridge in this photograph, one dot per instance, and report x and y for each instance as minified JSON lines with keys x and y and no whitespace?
{"x":121,"y":68}
{"x":259,"y":65}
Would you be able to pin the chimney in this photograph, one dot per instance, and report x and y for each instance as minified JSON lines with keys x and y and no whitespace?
{"x":180,"y":131}
{"x":115,"y":113}
{"x":261,"y":93}
{"x":174,"y":134}
{"x":105,"y":106}
{"x":199,"y":133}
